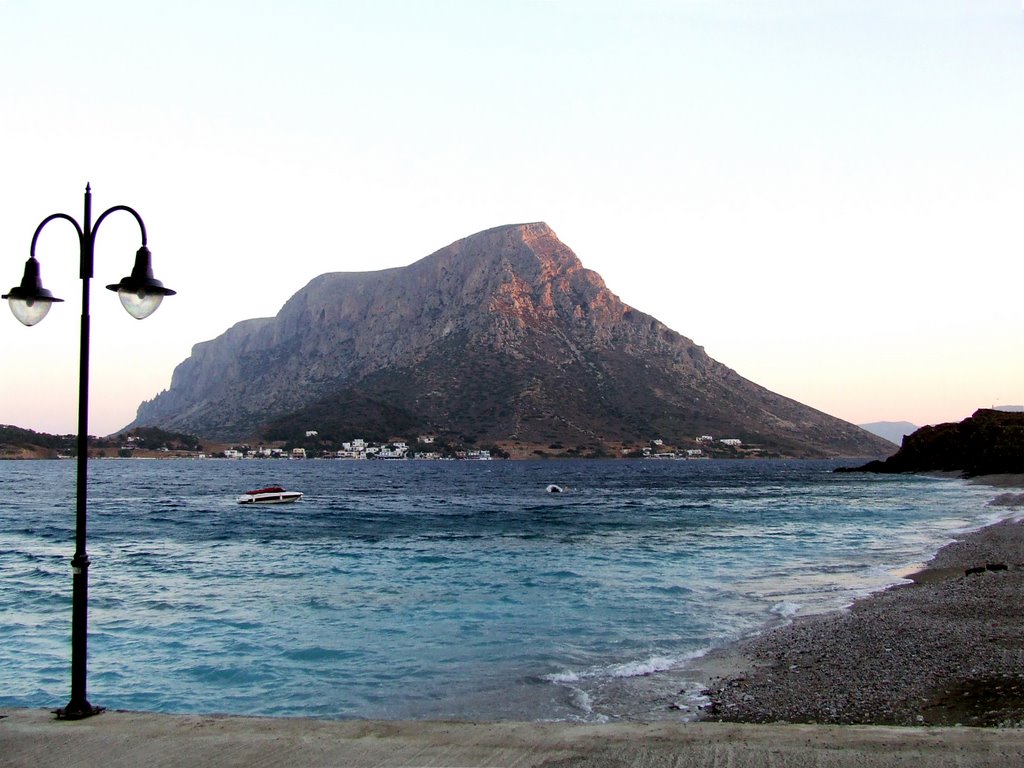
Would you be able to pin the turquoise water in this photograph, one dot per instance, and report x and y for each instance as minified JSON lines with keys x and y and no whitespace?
{"x":437,"y":589}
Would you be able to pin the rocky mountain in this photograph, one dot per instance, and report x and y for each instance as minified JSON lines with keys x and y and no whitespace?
{"x":500,"y":338}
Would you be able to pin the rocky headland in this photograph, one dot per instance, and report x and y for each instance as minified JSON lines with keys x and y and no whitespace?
{"x":989,"y":442}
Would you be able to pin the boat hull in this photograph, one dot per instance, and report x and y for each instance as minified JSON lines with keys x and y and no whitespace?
{"x":282,"y":497}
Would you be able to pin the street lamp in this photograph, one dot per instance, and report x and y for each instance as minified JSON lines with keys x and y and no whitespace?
{"x":140,"y":294}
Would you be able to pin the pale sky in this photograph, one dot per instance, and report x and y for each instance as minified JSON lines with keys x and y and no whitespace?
{"x":828,"y":195}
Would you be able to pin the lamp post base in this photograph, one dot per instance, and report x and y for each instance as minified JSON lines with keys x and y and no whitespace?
{"x":77,"y":710}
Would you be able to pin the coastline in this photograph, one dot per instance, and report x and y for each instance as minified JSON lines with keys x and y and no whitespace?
{"x":944,"y":649}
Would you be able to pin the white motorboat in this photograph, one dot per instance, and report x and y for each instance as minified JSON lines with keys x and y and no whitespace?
{"x":273,"y":494}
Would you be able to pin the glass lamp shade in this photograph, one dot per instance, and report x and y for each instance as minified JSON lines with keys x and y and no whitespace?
{"x":29,"y":301}
{"x":140,"y":303}
{"x":140,"y":292}
{"x":29,"y":311}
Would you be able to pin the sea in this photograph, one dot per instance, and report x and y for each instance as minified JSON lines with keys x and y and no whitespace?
{"x":440,"y":589}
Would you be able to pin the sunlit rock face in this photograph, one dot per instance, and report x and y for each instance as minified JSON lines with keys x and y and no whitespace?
{"x":503,"y":337}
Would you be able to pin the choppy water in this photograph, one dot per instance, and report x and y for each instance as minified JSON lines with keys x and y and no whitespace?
{"x":436,"y":589}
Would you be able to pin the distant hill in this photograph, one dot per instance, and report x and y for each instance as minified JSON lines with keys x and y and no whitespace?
{"x":989,"y":442}
{"x":501,"y":338}
{"x":893,"y":431}
{"x":18,"y":443}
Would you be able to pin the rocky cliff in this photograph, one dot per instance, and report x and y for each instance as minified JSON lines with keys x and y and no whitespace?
{"x":501,"y":337}
{"x":989,"y":442}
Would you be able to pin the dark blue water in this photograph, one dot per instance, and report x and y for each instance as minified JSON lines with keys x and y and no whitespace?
{"x":435,"y":589}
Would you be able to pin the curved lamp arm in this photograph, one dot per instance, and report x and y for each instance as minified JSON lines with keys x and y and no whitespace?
{"x":47,"y":220}
{"x":109,"y":211}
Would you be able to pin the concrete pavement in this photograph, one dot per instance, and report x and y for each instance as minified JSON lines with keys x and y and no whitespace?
{"x":113,"y":739}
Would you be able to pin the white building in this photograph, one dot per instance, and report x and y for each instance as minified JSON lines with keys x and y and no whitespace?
{"x":393,"y":451}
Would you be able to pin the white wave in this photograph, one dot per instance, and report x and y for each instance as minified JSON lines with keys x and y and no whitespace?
{"x":643,"y":668}
{"x":638,"y":668}
{"x":562,"y":678}
{"x":786,"y":609}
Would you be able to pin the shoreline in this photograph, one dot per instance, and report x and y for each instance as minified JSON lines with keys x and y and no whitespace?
{"x":942,"y":649}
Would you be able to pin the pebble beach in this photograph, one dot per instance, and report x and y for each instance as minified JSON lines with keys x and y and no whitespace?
{"x":945,"y":649}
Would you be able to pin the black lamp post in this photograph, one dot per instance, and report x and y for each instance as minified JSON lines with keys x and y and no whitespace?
{"x":140,"y":294}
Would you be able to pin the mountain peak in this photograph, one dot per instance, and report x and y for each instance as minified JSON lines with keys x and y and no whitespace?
{"x":516,"y":244}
